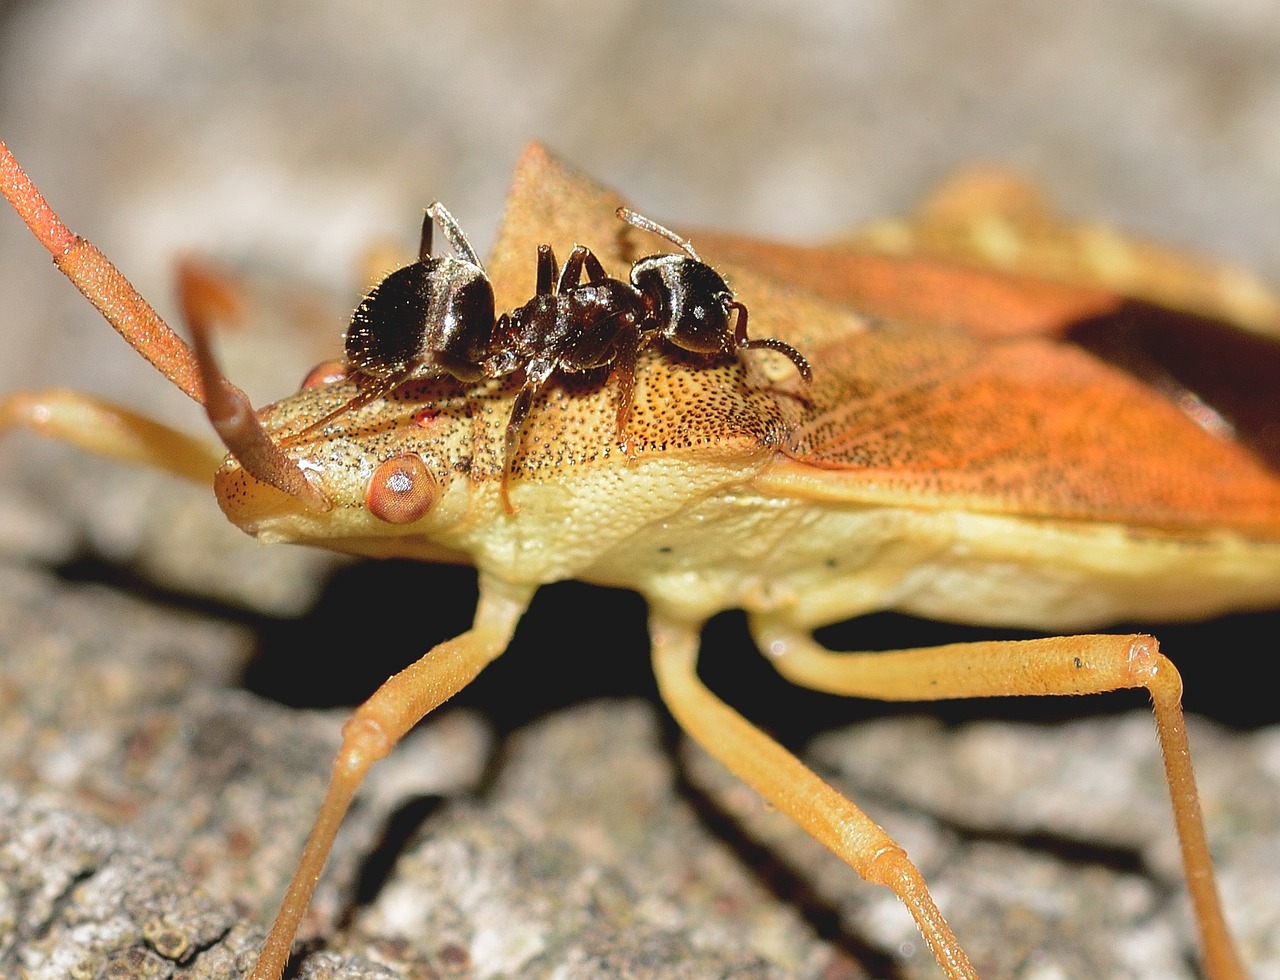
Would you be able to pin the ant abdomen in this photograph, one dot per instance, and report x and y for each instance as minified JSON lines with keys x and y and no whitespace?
{"x":432,"y":317}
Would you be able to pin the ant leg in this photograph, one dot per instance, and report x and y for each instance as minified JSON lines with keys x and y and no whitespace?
{"x":595,"y":271}
{"x":629,"y":347}
{"x":546,"y":270}
{"x":571,"y":274}
{"x":535,"y":377}
{"x":1056,"y":665}
{"x":503,"y":360}
{"x":790,"y":786}
{"x":645,"y":224}
{"x":374,"y":729}
{"x":452,"y":232}
{"x":740,"y":342}
{"x":368,"y":393}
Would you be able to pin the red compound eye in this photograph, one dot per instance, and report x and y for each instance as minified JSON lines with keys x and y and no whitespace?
{"x":323,"y":374}
{"x":401,"y":490}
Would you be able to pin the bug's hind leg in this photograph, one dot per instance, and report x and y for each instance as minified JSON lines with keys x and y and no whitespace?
{"x":793,"y":788}
{"x":1062,"y":665}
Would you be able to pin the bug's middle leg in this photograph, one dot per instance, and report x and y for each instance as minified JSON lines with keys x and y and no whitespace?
{"x":1059,"y":665}
{"x":790,"y":786}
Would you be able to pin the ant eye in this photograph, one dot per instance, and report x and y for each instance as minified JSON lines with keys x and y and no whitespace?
{"x":401,"y":490}
{"x":324,"y":374}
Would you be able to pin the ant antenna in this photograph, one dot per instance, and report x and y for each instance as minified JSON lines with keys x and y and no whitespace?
{"x":452,"y":233}
{"x":645,"y":224}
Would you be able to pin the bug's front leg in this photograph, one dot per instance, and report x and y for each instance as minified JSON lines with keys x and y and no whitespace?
{"x":1061,"y":665}
{"x":373,"y":730}
{"x":794,"y":789}
{"x":101,"y":427}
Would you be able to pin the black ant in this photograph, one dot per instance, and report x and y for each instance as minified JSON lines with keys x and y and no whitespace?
{"x":436,"y":317}
{"x":579,"y":327}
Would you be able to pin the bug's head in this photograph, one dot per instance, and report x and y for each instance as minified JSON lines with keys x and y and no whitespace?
{"x":391,"y":476}
{"x":336,"y":463}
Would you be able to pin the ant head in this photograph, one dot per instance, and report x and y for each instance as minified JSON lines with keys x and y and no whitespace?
{"x":688,"y":300}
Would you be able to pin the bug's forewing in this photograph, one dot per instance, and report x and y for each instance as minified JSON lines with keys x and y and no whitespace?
{"x":989,"y":254}
{"x":995,"y":219}
{"x":1210,"y":364}
{"x":1024,"y":427}
{"x":919,"y":289}
{"x":936,"y":418}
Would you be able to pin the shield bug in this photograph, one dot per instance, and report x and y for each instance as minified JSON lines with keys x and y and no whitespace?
{"x":1008,"y":483}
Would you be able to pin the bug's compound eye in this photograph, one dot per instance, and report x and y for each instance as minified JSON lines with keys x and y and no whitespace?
{"x":401,"y":490}
{"x":324,"y":374}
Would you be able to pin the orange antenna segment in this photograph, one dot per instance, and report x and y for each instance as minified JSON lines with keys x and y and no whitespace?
{"x":102,"y":283}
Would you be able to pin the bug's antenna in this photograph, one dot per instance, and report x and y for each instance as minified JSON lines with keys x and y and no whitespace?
{"x":645,"y":224}
{"x":101,"y":282}
{"x":229,"y":410}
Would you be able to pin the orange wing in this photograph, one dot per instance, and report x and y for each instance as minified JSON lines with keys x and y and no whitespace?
{"x":919,"y":289}
{"x":1025,"y":427}
{"x":1017,"y":424}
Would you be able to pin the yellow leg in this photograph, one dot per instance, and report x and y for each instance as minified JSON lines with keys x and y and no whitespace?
{"x":1056,"y":665}
{"x":104,"y":428}
{"x":372,"y":731}
{"x":789,"y":785}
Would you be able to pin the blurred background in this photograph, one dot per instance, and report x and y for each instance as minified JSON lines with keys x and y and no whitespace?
{"x":289,"y":138}
{"x":297,"y":134}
